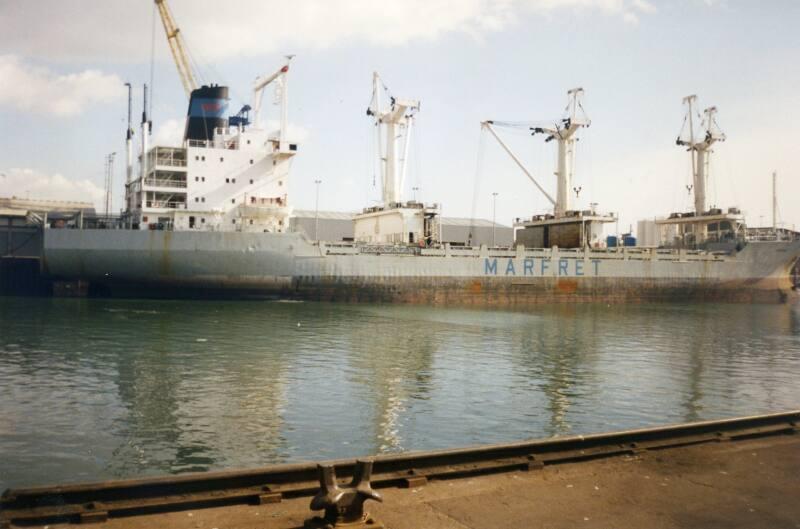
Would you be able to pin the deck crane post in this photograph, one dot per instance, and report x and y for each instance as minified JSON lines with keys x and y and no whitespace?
{"x":282,"y":77}
{"x":564,"y":133}
{"x":700,"y":149}
{"x":177,"y":46}
{"x":396,"y":121}
{"x":699,"y":146}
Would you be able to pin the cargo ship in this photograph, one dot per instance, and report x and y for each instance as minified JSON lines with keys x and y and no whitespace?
{"x":211,"y":219}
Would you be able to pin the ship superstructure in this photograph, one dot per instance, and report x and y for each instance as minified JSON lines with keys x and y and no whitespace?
{"x":229,"y":174}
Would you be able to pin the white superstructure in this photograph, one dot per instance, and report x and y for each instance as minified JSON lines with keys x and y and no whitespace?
{"x":234,"y":179}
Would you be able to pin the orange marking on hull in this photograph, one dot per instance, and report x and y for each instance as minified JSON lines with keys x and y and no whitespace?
{"x":568,"y":286}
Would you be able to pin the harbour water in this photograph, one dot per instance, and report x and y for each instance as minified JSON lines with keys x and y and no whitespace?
{"x":99,"y":389}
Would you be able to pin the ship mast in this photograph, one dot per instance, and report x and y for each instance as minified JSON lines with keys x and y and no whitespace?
{"x":395,"y":124}
{"x":700,"y":150}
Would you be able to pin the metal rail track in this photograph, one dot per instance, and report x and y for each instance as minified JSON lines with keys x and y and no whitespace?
{"x":98,"y":501}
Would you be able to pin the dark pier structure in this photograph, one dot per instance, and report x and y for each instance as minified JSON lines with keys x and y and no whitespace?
{"x":20,"y":255}
{"x":742,"y":472}
{"x":22,"y":224}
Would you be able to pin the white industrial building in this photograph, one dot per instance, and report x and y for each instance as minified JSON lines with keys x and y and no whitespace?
{"x":335,"y":226}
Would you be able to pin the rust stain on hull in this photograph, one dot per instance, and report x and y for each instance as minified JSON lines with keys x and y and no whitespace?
{"x":486,"y":292}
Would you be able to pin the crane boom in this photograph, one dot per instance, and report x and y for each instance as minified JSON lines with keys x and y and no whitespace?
{"x":177,"y":47}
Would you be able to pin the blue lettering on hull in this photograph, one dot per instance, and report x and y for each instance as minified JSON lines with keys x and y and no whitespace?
{"x":566,"y":267}
{"x":510,"y":268}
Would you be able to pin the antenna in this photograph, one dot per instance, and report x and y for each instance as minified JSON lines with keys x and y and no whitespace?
{"x":145,"y":133}
{"x":775,"y":201}
{"x":129,"y":150}
{"x":109,"y":183}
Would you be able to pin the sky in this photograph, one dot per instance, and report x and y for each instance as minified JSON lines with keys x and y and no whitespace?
{"x":63,"y":64}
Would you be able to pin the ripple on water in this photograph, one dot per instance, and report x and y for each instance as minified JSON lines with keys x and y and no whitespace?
{"x":96,"y":389}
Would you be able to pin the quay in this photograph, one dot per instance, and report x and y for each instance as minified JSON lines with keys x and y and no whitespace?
{"x":742,"y":472}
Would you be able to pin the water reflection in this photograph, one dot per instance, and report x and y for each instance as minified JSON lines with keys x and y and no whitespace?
{"x":95,"y":389}
{"x":554,"y":355}
{"x":392,"y":367}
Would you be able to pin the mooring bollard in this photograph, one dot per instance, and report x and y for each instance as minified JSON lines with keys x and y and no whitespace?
{"x":344,"y":506}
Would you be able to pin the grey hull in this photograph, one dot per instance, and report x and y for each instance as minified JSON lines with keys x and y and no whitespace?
{"x":175,"y":264}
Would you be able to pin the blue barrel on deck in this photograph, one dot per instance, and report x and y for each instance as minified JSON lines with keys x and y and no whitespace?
{"x":611,"y":241}
{"x":629,"y":240}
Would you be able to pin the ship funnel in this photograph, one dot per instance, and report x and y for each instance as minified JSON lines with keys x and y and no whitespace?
{"x":208,"y":107}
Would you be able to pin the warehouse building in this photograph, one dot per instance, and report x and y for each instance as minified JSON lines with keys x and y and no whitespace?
{"x":335,"y":226}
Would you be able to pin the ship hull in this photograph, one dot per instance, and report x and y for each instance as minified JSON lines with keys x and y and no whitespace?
{"x":287,"y":266}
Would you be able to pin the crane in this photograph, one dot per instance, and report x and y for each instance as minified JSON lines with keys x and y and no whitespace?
{"x":564,"y":133}
{"x":177,"y":46}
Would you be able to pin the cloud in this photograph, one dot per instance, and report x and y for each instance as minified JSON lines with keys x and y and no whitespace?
{"x":630,"y":18}
{"x":31,"y":183}
{"x":119,"y":30}
{"x":644,"y":6}
{"x":294,"y":133}
{"x":35,"y":89}
{"x":169,"y":133}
